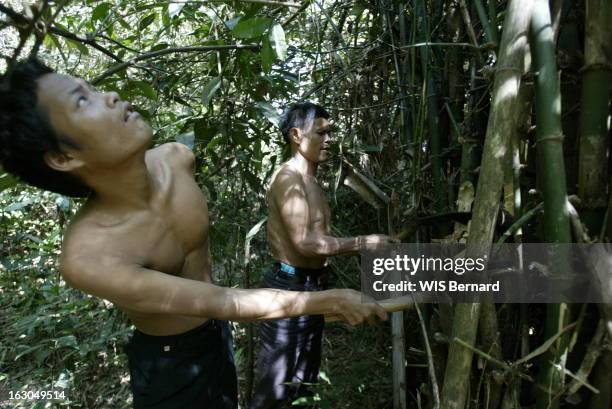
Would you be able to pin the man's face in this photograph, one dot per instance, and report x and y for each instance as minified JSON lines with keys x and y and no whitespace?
{"x":315,"y":142}
{"x":107,"y":129}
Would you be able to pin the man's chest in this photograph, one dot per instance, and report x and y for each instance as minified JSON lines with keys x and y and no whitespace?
{"x":172,"y":232}
{"x":318,"y":206}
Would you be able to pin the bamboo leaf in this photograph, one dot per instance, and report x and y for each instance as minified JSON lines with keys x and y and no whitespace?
{"x":75,"y":45}
{"x":147,"y":21}
{"x":544,"y":347}
{"x":247,"y":241}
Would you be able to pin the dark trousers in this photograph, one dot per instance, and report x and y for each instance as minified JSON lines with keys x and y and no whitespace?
{"x":185,"y":371}
{"x":290,"y":351}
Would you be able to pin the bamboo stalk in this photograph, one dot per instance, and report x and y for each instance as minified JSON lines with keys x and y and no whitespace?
{"x":596,"y":78}
{"x":484,"y":20}
{"x":431,"y":103}
{"x":549,"y":138}
{"x":501,"y":124}
{"x":398,"y":337}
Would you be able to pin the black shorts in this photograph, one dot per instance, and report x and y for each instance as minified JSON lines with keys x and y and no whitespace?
{"x":194,"y":369}
{"x":290,"y":349}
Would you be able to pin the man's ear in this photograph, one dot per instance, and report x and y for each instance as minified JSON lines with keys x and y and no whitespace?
{"x":295,"y":135}
{"x":62,"y":161}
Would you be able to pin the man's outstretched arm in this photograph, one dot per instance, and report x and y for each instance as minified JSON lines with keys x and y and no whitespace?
{"x":296,"y":212}
{"x":149,"y":291}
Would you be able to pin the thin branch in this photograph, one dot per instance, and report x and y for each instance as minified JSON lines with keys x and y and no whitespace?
{"x":468,"y":28}
{"x":125,"y":47}
{"x":13,"y":15}
{"x":40,"y":34}
{"x":25,"y":34}
{"x":432,"y":371}
{"x":90,"y":42}
{"x":296,"y":14}
{"x":153,"y":54}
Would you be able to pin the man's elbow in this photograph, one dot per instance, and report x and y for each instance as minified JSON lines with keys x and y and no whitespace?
{"x":310,"y":248}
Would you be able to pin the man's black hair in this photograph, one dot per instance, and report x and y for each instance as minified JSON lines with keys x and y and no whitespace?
{"x":26,"y":133}
{"x":301,"y":116}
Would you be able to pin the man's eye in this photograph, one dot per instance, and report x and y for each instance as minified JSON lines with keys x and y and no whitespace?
{"x":81,"y":101}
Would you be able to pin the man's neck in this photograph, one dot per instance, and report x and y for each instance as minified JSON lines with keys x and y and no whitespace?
{"x":303,"y":165}
{"x":122,"y":188}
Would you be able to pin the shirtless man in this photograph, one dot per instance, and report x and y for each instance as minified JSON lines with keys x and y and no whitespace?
{"x":141,"y":238}
{"x":300,"y":240}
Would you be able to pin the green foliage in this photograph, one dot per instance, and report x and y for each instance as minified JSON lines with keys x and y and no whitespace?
{"x":251,"y":28}
{"x":358,"y":59}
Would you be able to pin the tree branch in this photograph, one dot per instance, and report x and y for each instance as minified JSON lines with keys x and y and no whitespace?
{"x":297,"y":13}
{"x":153,"y":54}
{"x":90,"y":42}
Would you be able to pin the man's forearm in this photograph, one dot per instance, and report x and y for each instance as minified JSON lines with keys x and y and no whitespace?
{"x":327,"y":246}
{"x":265,"y":304}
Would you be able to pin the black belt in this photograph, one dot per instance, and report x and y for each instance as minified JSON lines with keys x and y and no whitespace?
{"x":298,"y":275}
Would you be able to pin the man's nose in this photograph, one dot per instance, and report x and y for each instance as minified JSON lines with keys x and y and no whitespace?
{"x":111,"y":99}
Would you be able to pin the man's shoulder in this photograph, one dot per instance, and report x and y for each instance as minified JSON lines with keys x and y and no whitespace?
{"x":285,"y":174}
{"x":173,"y":153}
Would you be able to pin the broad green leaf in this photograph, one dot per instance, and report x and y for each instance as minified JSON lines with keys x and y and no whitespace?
{"x":100,"y":12}
{"x":240,"y":139}
{"x":209,"y":90}
{"x":269,"y":112}
{"x":145,"y":89}
{"x":174,"y":9}
{"x":267,"y":56}
{"x":278,"y":42}
{"x":186,"y":139}
{"x":146,"y":22}
{"x":230,"y":24}
{"x":251,"y":28}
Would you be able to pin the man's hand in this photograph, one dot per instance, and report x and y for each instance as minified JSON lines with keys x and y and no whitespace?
{"x":374,"y":241}
{"x":355,"y":307}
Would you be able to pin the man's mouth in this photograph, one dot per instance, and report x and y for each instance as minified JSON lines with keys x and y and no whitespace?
{"x":129,"y":112}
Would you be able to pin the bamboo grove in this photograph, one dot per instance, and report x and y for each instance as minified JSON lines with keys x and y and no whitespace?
{"x":482,"y":121}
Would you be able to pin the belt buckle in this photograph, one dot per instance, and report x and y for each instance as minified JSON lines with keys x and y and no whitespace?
{"x":287,"y":269}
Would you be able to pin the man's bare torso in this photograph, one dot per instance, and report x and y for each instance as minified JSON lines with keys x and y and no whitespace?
{"x":170,"y":235}
{"x":318,"y":214}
